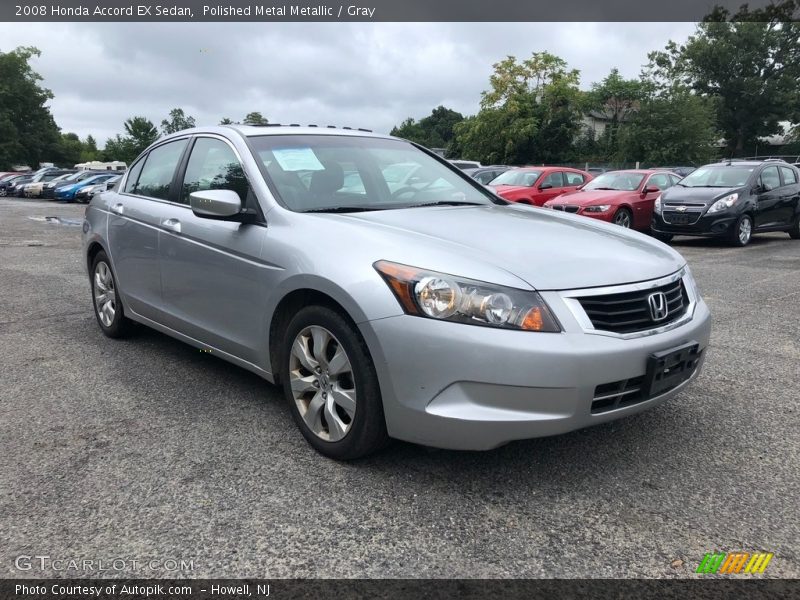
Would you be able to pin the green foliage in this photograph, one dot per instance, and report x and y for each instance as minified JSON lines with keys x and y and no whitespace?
{"x":225,"y":121}
{"x":530,"y":114}
{"x":433,"y":131}
{"x":616,"y":100}
{"x":255,"y":118}
{"x":750,"y":65}
{"x":177,"y":121}
{"x":28,"y":133}
{"x":140,"y":133}
{"x":670,"y":127}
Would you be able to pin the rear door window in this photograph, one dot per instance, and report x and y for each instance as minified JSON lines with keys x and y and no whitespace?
{"x":789,"y":176}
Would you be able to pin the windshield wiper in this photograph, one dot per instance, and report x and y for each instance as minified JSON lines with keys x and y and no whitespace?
{"x":448,"y":203}
{"x":341,"y":209}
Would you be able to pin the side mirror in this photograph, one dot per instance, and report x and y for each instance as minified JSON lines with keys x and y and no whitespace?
{"x":546,"y":186}
{"x":215,"y":204}
{"x":650,"y":189}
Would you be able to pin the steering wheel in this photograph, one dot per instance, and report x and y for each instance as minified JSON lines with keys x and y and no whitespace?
{"x":404,"y":190}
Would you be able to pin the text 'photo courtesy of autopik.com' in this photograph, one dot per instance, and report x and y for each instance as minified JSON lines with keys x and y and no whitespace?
{"x":399,"y":299}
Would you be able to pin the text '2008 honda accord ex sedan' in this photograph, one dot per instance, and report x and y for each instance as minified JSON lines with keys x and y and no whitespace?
{"x":389,"y":294}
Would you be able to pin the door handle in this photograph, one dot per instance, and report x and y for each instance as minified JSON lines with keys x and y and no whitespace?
{"x":173,"y":225}
{"x":118,"y":208}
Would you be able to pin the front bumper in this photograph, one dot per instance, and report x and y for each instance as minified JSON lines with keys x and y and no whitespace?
{"x":466,"y":387}
{"x":718,"y":224}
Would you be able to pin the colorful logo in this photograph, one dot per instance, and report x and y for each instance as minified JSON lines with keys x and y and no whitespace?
{"x":735,"y":562}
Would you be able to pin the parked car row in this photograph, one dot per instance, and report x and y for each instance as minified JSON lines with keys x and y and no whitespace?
{"x":58,"y":184}
{"x":730,"y":199}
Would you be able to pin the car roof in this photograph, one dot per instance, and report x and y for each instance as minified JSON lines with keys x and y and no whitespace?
{"x":277,"y":129}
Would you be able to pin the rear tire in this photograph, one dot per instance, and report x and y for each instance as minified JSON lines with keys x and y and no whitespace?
{"x":330,"y":383}
{"x":742,"y":231}
{"x":108,"y":308}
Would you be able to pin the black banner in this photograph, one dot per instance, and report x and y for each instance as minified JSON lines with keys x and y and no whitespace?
{"x":367,"y":10}
{"x":411,"y":589}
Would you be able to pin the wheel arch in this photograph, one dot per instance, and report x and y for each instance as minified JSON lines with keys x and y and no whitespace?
{"x":317,"y":293}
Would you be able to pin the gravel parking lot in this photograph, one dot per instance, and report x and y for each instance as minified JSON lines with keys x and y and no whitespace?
{"x":149,"y":449}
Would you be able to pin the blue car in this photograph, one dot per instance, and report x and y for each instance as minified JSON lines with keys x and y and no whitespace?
{"x":67,"y":192}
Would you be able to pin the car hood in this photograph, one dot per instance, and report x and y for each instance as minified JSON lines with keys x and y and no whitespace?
{"x":547,"y":250}
{"x":501,"y":189}
{"x":585,"y":198}
{"x":698,"y":195}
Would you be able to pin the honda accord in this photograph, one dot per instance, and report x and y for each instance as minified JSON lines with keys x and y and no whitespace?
{"x":435,"y":313}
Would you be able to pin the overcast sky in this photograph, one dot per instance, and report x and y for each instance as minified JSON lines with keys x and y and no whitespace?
{"x":370,"y":75}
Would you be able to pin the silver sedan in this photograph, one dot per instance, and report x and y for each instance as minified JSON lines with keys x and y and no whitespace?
{"x":432,"y":312}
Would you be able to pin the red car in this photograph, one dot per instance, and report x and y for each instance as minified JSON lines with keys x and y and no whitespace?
{"x":537,"y":185}
{"x":622,"y":197}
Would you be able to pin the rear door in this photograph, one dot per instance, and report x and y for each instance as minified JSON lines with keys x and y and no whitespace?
{"x":789,"y":195}
{"x":134,"y":218}
{"x":212,"y":276}
{"x":768,"y":199}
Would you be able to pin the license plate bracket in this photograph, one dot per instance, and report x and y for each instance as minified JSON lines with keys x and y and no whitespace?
{"x":670,"y":368}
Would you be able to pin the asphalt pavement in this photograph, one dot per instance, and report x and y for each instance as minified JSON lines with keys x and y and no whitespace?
{"x":149,"y":450}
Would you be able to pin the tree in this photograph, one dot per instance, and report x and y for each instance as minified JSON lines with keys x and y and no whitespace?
{"x":531,"y":113}
{"x":225,"y":121}
{"x":140,"y":133}
{"x":28,"y":133}
{"x":255,"y":118}
{"x":674,"y":126}
{"x":89,"y":152}
{"x":616,"y":99}
{"x":177,"y":121}
{"x":434,"y":131}
{"x":749,"y":61}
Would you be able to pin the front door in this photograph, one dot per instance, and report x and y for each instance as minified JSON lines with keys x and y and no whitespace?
{"x":212,"y":278}
{"x":768,"y":199}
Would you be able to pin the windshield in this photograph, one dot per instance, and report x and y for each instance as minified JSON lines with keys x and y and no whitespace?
{"x":516,"y":177}
{"x":723,"y":176}
{"x":350,"y":173}
{"x":618,"y":180}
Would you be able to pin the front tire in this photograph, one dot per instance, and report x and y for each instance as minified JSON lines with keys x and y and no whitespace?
{"x":623,"y":218}
{"x":794,"y":232}
{"x":330,"y":383}
{"x":742,"y":232}
{"x":108,"y":308}
{"x":663,"y":237}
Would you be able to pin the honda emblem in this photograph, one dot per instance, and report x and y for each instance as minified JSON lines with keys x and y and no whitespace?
{"x":658,"y":306}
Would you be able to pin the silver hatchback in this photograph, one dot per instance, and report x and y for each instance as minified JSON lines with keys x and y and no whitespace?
{"x":388,"y":293}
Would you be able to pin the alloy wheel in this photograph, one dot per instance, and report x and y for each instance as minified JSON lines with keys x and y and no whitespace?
{"x":745,"y":230}
{"x":322,"y":383}
{"x":623,"y":219}
{"x":105,"y":296}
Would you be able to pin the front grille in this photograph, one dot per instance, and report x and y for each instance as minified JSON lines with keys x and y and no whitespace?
{"x":618,"y":394}
{"x":558,"y":207}
{"x":572,"y":209}
{"x":566,"y":208}
{"x":628,"y":312}
{"x":681,"y":218}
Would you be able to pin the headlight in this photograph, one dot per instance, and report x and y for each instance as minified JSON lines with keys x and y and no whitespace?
{"x":597,"y":208}
{"x":657,"y":205}
{"x":723,"y":203}
{"x":689,"y":281}
{"x":445,"y":297}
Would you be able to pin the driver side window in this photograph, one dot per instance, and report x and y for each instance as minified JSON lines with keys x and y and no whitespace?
{"x":556,"y":179}
{"x":770,"y":178}
{"x":213,"y":166}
